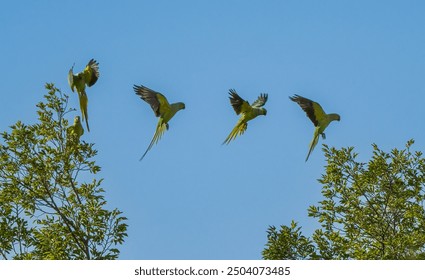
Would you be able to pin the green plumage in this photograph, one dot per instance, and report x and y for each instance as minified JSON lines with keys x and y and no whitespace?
{"x":317,"y":115}
{"x":162,"y":109}
{"x":247,"y":112}
{"x":76,"y":128}
{"x":89,"y":77}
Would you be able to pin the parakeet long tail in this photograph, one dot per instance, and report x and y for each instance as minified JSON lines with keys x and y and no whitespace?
{"x":239,"y":129}
{"x":313,"y":143}
{"x":83,"y":106}
{"x":160,"y":129}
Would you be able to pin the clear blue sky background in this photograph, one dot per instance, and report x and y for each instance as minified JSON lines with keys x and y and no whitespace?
{"x":191,"y":197}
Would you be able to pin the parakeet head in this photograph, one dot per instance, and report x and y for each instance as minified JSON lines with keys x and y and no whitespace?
{"x":335,"y":117}
{"x":181,"y":105}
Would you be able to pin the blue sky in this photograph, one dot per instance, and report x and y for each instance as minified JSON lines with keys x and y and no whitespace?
{"x":191,"y":197}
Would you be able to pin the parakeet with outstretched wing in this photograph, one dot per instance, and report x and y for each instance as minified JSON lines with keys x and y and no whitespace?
{"x":79,"y":81}
{"x":320,"y":119}
{"x":247,"y":112}
{"x":162,"y":109}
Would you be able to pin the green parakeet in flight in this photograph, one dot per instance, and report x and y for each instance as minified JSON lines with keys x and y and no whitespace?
{"x":78,"y":82}
{"x":320,"y":119}
{"x":162,"y":109}
{"x":247,"y":112}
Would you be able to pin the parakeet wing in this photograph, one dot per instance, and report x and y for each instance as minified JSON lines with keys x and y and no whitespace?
{"x":239,"y":105}
{"x":156,"y":100}
{"x":71,"y":78}
{"x":91,"y":72}
{"x":261,"y":100}
{"x":313,"y":109}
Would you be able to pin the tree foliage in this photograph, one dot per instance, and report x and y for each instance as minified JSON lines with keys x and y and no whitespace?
{"x":45,"y":212}
{"x":372,"y":210}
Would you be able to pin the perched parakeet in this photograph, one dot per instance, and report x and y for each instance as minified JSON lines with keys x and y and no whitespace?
{"x":76,"y":128}
{"x":319,"y":118}
{"x":162,"y":109}
{"x":88,"y":77}
{"x":247,"y":112}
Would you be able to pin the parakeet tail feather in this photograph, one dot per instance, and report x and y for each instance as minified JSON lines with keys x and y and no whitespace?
{"x":160,"y":129}
{"x":239,"y":129}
